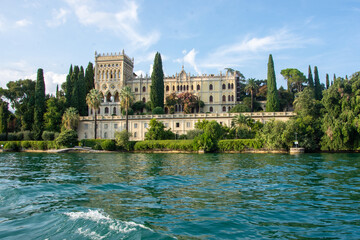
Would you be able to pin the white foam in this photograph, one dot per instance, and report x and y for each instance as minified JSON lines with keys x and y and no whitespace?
{"x":91,"y":234}
{"x":93,"y":215}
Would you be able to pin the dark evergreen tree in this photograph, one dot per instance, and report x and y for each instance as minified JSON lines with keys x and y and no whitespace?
{"x":57,"y":91}
{"x":327,"y":81}
{"x":82,"y":106}
{"x":4,"y":116}
{"x":75,"y":94}
{"x":157,"y":83}
{"x":333,"y":79}
{"x":40,"y":106}
{"x":68,"y":87}
{"x":89,"y":77}
{"x":310,"y":79}
{"x":318,"y":90}
{"x":272,"y":103}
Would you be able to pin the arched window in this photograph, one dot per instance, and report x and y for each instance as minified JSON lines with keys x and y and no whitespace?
{"x":224,"y":109}
{"x":210,"y":87}
{"x":229,"y":86}
{"x":175,"y":108}
{"x":232,"y":86}
{"x":108,"y":97}
{"x":187,"y":87}
{"x":198,"y":87}
{"x":181,"y":88}
{"x":144,"y":99}
{"x":105,"y":135}
{"x":173,"y":88}
{"x":116,"y":98}
{"x":211,"y":99}
{"x":224,"y":98}
{"x":114,"y":110}
{"x":229,"y":108}
{"x":232,"y":97}
{"x":229,"y":98}
{"x":106,"y":110}
{"x":224,"y":86}
{"x":211,"y":109}
{"x":178,"y":88}
{"x":167,"y":88}
{"x":144,"y":89}
{"x":192,"y":87}
{"x":99,"y":111}
{"x":136,"y":89}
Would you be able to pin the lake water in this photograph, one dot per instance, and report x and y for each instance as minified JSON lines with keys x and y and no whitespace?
{"x":179,"y":196}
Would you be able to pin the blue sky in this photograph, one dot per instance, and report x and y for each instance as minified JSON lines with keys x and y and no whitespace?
{"x":205,"y":36}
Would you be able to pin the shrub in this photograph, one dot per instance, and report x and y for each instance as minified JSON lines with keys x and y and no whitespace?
{"x":122,"y":139}
{"x":130,"y":112}
{"x":25,"y":144}
{"x":108,"y":145}
{"x":91,"y":142}
{"x":191,"y":134}
{"x":48,"y":136}
{"x":3,"y":137}
{"x":157,"y":131}
{"x":13,"y":137}
{"x":12,"y":146}
{"x":27,"y":135}
{"x":67,"y":138}
{"x":185,"y":145}
{"x":158,"y":110}
{"x":97,"y":146}
{"x":238,"y":144}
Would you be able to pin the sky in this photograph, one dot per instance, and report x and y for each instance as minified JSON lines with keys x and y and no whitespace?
{"x":204,"y":36}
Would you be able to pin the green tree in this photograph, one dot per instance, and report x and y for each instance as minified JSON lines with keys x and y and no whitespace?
{"x":272,"y":103}
{"x":207,"y":141}
{"x":70,"y":119}
{"x":271,"y":135}
{"x":68,"y":88}
{"x":310,"y":79}
{"x":82,"y":107}
{"x":157,"y":83}
{"x":40,"y":106}
{"x":123,"y":139}
{"x":251,"y":87}
{"x":171,"y":101}
{"x":53,"y":114}
{"x":126,"y":99}
{"x":295,"y":79}
{"x":318,"y":90}
{"x":4,"y":116}
{"x":157,"y":131}
{"x":21,"y":95}
{"x":242,"y":126}
{"x":240,"y":108}
{"x":327,"y":81}
{"x":188,"y":101}
{"x":89,"y":77}
{"x":75,"y":95}
{"x":93,"y":100}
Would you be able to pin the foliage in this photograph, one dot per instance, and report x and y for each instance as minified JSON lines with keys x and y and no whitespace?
{"x":12,"y":146}
{"x":108,"y":145}
{"x":68,"y":88}
{"x":208,"y":140}
{"x":272,"y":104}
{"x":256,"y":105}
{"x":4,"y":116}
{"x":271,"y":135}
{"x":89,"y":77}
{"x":70,"y":119}
{"x":171,"y":101}
{"x":317,"y":86}
{"x":123,"y":139}
{"x":286,"y":99}
{"x":191,"y":134}
{"x":327,"y":81}
{"x":40,"y":106}
{"x":130,"y":112}
{"x":157,"y":83}
{"x":127,"y":98}
{"x":310,"y":79}
{"x":138,"y":106}
{"x":67,"y":138}
{"x":48,"y":136}
{"x":158,"y":110}
{"x":93,"y":100}
{"x":238,"y":144}
{"x":251,"y":87}
{"x":183,"y":145}
{"x":240,"y":108}
{"x":188,"y":101}
{"x":242,"y":127}
{"x":157,"y":131}
{"x":52,"y":117}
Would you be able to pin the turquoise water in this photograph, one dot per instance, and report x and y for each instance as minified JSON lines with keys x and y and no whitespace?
{"x":179,"y":196}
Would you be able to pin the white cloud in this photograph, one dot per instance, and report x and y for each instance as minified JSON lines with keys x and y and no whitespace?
{"x":151,"y":69}
{"x":189,"y":58}
{"x":123,"y":22}
{"x":58,"y":17}
{"x":22,"y":23}
{"x":140,"y":73}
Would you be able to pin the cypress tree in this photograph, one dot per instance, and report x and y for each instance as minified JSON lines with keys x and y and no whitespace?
{"x":310,"y":79}
{"x":318,"y":92}
{"x":327,"y":81}
{"x":89,"y":77}
{"x":68,"y":87}
{"x":57,"y":91}
{"x":157,"y":83}
{"x":272,"y":102}
{"x":82,"y":106}
{"x":75,"y":94}
{"x":4,"y":115}
{"x":40,"y":105}
{"x":334,"y":79}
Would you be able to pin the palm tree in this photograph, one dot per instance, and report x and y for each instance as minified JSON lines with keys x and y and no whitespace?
{"x":251,"y":88}
{"x":70,"y":118}
{"x":241,"y":124}
{"x":126,"y":99}
{"x":93,"y":100}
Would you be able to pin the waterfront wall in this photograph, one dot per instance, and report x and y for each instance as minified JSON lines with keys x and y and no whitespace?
{"x":179,"y":123}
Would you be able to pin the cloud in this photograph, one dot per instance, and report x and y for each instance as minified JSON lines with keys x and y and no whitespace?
{"x":58,"y":17}
{"x":122,"y":22}
{"x":22,"y":23}
{"x":189,"y":58}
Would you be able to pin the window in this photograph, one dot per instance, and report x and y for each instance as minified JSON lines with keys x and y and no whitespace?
{"x":166,"y":125}
{"x":211,"y":109}
{"x":85,"y":135}
{"x":224,"y":98}
{"x":177,"y":125}
{"x":135,"y":125}
{"x":229,"y":86}
{"x":144,"y":89}
{"x":167,"y":88}
{"x":210,"y":87}
{"x":115,"y":125}
{"x":188,"y":124}
{"x":136,"y":89}
{"x":211,"y":99}
{"x":229,"y":98}
{"x":178,"y":88}
{"x":224,"y":109}
{"x":145,"y":125}
{"x":229,"y":108}
{"x":106,"y":110}
{"x":173,"y":88}
{"x":135,"y":134}
{"x":144,"y":99}
{"x":232,"y":86}
{"x":232,"y":97}
{"x":187,"y":87}
{"x":223,"y":86}
{"x":114,"y":110}
{"x":192,"y":87}
{"x":198,"y":87}
{"x":106,"y":126}
{"x":105,"y":135}
{"x":86,"y":126}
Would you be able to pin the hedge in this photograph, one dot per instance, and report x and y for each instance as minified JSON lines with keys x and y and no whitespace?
{"x":33,"y":145}
{"x":238,"y":144}
{"x":185,"y":145}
